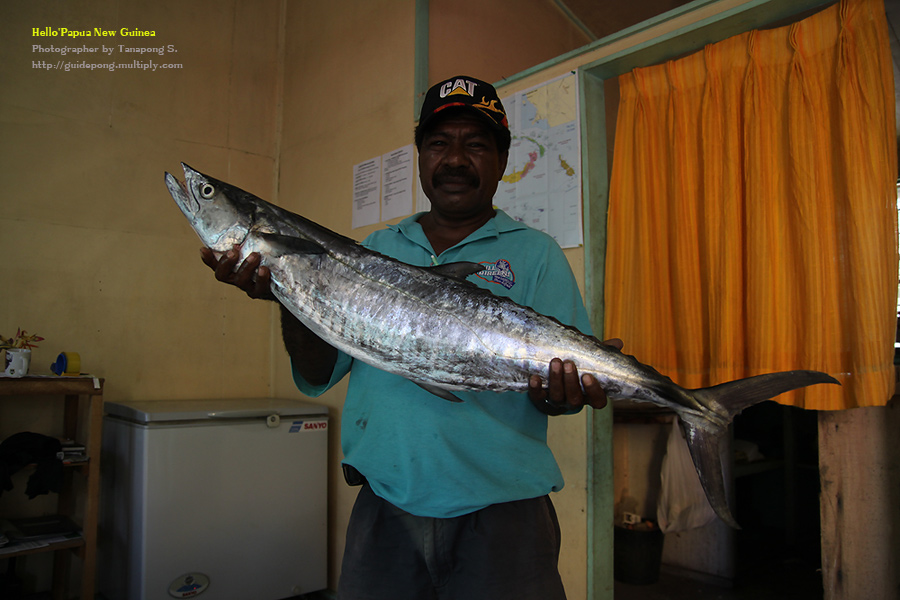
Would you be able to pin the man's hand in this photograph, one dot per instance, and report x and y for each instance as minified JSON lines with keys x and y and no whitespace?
{"x":564,"y":392}
{"x":311,"y":356}
{"x":253,"y":279}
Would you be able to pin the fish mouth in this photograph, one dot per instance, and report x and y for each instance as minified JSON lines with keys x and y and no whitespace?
{"x":218,"y":223}
{"x":179,"y":191}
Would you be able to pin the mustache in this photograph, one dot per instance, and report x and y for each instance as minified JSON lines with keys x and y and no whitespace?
{"x":455,"y":175}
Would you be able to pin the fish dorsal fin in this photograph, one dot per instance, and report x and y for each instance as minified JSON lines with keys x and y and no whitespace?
{"x":286,"y":244}
{"x":439,"y":392}
{"x":458,"y":270}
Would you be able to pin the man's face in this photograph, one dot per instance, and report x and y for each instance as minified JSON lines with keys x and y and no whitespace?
{"x":460,"y":166}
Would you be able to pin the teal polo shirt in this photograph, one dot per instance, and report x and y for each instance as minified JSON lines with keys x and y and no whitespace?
{"x":435,"y":458}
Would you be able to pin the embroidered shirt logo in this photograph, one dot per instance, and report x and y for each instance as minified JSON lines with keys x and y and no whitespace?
{"x":499,"y":272}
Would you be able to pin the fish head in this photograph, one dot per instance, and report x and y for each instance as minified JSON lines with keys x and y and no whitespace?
{"x":220,"y":213}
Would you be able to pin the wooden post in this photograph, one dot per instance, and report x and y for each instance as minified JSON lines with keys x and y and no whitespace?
{"x":859,"y":469}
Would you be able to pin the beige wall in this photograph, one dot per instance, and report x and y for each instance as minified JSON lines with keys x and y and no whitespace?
{"x":497,"y":39}
{"x":348,"y":97}
{"x":96,"y":257}
{"x":98,"y":260}
{"x":281,"y":98}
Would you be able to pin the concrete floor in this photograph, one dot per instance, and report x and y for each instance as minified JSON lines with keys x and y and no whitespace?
{"x":791,"y":580}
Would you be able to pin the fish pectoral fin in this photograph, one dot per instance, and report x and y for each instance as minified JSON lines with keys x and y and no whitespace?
{"x":439,"y":392}
{"x":286,"y":244}
{"x":458,"y":270}
{"x":705,"y":448}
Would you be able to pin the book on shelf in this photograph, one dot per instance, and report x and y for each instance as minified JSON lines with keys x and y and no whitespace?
{"x":72,"y":452}
{"x":36,"y":532}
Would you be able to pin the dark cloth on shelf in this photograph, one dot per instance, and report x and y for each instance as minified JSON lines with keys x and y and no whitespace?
{"x":22,"y":449}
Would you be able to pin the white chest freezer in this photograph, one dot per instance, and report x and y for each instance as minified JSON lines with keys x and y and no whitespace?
{"x":218,"y":499}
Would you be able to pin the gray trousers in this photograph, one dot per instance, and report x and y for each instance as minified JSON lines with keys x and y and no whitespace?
{"x":505,"y":551}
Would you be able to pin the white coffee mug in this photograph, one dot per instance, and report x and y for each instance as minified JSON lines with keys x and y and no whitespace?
{"x":17,"y":361}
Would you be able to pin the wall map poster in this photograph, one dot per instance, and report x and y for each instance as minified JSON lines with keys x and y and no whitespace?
{"x":542,"y":183}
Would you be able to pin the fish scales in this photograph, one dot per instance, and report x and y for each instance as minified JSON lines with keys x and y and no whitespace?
{"x":444,"y":333}
{"x":413,"y":330}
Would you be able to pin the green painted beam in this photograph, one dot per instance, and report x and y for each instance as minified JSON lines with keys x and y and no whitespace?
{"x":749,"y":15}
{"x":595,"y":178}
{"x":686,"y":40}
{"x":420,"y":76}
{"x":752,"y":14}
{"x":595,"y":181}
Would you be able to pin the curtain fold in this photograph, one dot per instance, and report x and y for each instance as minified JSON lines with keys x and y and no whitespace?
{"x":753,"y":219}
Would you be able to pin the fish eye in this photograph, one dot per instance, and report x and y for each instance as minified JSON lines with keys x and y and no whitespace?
{"x":207,"y":190}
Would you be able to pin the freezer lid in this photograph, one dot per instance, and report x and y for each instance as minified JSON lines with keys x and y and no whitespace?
{"x":160,"y":411}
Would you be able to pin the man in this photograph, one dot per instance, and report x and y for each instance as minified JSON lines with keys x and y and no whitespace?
{"x":454,"y":501}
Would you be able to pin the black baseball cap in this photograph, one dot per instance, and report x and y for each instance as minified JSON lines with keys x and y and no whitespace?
{"x":467,"y":93}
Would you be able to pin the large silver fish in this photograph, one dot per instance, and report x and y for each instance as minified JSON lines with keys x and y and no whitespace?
{"x":444,"y":333}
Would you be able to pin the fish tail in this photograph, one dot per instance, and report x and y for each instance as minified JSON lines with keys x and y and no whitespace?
{"x":705,"y":434}
{"x":731,"y":398}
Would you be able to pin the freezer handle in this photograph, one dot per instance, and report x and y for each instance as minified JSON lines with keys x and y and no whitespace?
{"x":272,"y":419}
{"x":241,"y":414}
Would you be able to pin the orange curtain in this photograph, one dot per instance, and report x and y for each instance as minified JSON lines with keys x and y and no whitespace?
{"x":753,"y":220}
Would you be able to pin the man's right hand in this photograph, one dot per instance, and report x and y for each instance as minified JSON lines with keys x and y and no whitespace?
{"x":311,"y":356}
{"x":253,"y":279}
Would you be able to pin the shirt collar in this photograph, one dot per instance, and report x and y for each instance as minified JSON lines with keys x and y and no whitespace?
{"x":499,"y":223}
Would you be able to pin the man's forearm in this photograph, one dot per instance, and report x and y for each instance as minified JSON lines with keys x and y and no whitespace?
{"x":311,"y":356}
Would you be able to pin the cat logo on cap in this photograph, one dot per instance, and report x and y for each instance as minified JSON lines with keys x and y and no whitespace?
{"x":458,"y":86}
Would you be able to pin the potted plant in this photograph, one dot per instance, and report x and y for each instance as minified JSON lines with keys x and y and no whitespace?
{"x":18,"y":352}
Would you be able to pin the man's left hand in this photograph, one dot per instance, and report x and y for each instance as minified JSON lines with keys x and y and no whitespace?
{"x":564,"y":392}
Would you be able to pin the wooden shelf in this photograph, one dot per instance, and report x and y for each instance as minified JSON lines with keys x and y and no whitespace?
{"x":66,"y":545}
{"x":83,"y":405}
{"x":50,"y":386}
